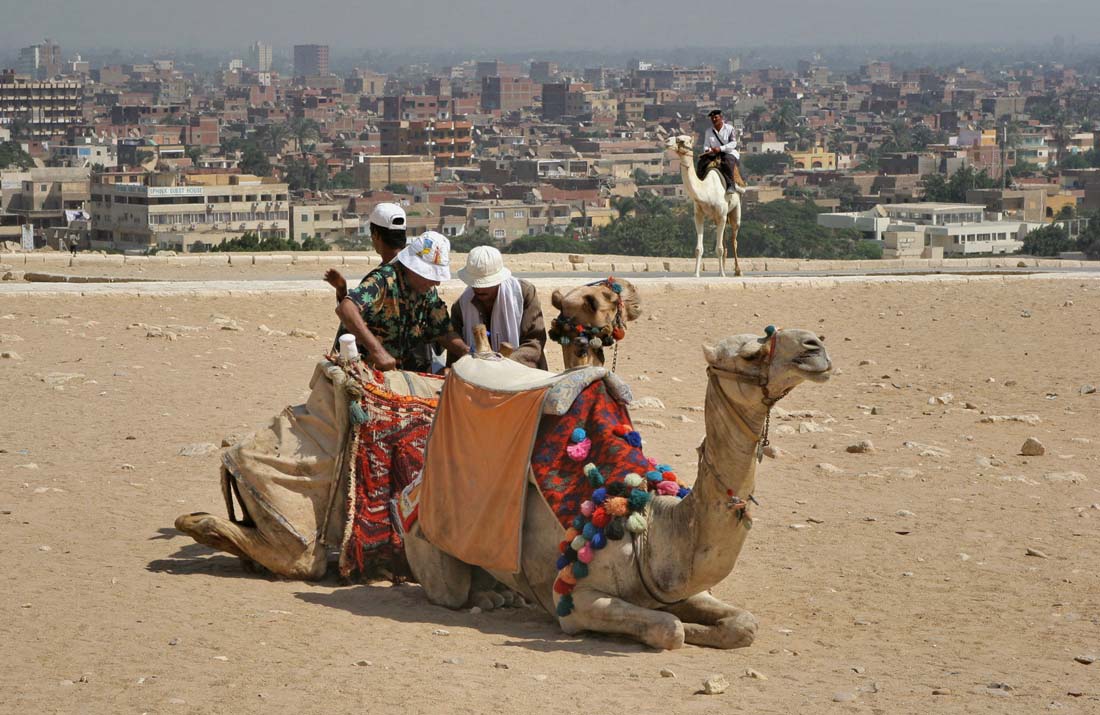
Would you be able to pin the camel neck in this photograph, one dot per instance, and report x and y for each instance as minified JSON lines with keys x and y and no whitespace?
{"x":691,"y":181}
{"x":727,"y":463}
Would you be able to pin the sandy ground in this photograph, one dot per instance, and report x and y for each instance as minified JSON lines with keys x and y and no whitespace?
{"x":908,"y":575}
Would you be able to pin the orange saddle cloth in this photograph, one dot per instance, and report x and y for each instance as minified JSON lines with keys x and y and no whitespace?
{"x":476,"y":465}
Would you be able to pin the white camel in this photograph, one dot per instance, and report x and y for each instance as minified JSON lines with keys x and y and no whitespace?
{"x":711,"y":202}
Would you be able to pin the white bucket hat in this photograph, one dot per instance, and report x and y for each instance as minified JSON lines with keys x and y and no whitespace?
{"x":484,"y":268}
{"x":428,"y":256}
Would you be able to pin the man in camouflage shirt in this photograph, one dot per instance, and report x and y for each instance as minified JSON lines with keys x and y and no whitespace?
{"x":395,"y":313}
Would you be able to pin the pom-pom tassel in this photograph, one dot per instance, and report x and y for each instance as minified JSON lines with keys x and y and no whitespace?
{"x":635,"y":525}
{"x":357,"y":414}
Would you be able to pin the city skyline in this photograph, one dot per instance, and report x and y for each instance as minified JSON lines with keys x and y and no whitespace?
{"x":492,"y":25}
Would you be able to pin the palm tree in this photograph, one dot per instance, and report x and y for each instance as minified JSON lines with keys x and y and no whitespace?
{"x":623,"y":204}
{"x":304,"y":130}
{"x":273,"y":137}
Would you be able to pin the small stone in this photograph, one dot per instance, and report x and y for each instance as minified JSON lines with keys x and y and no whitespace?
{"x":715,"y":685}
{"x":177,"y":701}
{"x":858,"y":669}
{"x":861,"y":622}
{"x":222,"y":658}
{"x":66,"y":683}
{"x":799,"y":527}
{"x":941,"y":691}
{"x":829,"y":468}
{"x":1085,"y":659}
{"x":876,"y":410}
{"x":500,"y":666}
{"x":84,"y":679}
{"x":127,"y":467}
{"x":667,"y":673}
{"x":44,"y":548}
{"x":200,"y":449}
{"x":647,"y":403}
{"x":441,"y":632}
{"x":645,"y":422}
{"x":867,"y":362}
{"x":755,"y":674}
{"x":1033,"y":448}
{"x":844,"y":697}
{"x":174,"y":641}
{"x":364,"y":663}
{"x":1035,"y":552}
{"x":541,"y":678}
{"x":1075,"y":692}
{"x":475,"y":611}
{"x":814,"y":520}
{"x":862,"y":447}
{"x":1084,"y":389}
{"x":773,"y":452}
{"x":10,"y":355}
{"x":686,"y":419}
{"x":451,"y":661}
{"x":904,"y":513}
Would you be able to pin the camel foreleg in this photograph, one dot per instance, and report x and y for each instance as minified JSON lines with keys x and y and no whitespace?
{"x":714,"y":623}
{"x":603,"y":613}
{"x":445,"y":580}
{"x":698,"y":239}
{"x":279,"y":552}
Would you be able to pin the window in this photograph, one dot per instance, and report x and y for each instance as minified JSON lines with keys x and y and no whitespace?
{"x":498,"y":233}
{"x":498,"y":214}
{"x":305,"y":217}
{"x":518,"y":213}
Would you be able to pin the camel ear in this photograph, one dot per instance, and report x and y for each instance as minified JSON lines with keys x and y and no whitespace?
{"x":750,"y":350}
{"x":710,"y":353}
{"x":556,"y":299}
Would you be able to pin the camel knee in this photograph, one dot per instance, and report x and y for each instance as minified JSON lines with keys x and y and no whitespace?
{"x":737,"y":631}
{"x":665,"y":634}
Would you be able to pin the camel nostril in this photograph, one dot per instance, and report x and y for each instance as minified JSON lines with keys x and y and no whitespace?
{"x":813,"y":345}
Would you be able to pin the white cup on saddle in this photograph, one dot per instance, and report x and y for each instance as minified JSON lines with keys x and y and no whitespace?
{"x":348,"y":349}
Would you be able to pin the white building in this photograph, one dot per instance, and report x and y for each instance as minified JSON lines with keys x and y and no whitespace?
{"x":914,"y":230}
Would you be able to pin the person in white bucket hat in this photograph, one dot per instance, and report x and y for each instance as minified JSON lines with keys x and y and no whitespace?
{"x":396,"y":313}
{"x":507,"y":306}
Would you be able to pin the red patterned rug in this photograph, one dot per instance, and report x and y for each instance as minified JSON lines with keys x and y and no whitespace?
{"x":560,"y":478}
{"x":388,"y":454}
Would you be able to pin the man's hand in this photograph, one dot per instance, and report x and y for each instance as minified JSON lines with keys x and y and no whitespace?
{"x":382,"y":360}
{"x":336,"y":279}
{"x":716,"y":150}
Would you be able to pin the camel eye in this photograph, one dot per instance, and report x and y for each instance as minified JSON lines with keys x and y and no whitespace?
{"x":590,"y":301}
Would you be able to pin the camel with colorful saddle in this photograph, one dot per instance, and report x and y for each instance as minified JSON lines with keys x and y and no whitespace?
{"x":328,"y":474}
{"x":568,"y":511}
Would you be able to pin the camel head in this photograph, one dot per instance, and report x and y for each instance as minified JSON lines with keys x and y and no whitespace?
{"x":682,"y":145}
{"x":773,"y":364}
{"x":591,"y":318}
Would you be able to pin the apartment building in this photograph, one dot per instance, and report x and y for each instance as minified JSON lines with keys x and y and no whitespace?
{"x":377,"y":172}
{"x":44,"y":109}
{"x":133,"y":211}
{"x":506,"y":220}
{"x":448,"y":143}
{"x":259,"y":57}
{"x":508,"y":94}
{"x":326,"y":220}
{"x":311,"y":61}
{"x":41,"y":62}
{"x":45,"y":198}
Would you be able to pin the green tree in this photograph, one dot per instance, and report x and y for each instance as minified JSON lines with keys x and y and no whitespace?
{"x":313,"y":243}
{"x":1089,"y":240}
{"x":194,"y":153}
{"x":254,"y":160}
{"x":397,"y":188}
{"x":1047,"y":241}
{"x":1064,"y":213}
{"x":343,"y":180}
{"x":623,"y":204}
{"x":13,"y":156}
{"x":304,"y":130}
{"x":471,"y":239}
{"x":548,"y":243}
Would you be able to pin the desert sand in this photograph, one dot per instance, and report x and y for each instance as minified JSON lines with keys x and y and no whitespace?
{"x":894,"y":581}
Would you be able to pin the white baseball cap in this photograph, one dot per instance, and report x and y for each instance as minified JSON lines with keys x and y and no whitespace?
{"x":484,"y":268}
{"x":388,"y":215}
{"x":428,"y":255}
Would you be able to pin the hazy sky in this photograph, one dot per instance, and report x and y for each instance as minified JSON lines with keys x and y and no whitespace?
{"x":485,"y":25}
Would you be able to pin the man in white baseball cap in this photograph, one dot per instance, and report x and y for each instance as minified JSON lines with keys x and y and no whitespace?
{"x":395,"y":313}
{"x":507,"y":306}
{"x":387,"y":236}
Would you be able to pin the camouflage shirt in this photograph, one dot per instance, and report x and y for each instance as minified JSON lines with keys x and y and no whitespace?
{"x":404,"y":321}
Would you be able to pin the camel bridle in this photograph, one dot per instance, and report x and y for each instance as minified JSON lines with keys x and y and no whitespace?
{"x":759,"y":379}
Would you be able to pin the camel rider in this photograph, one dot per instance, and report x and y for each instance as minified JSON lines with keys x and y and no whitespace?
{"x":721,"y":139}
{"x":395,"y":313}
{"x":507,"y":306}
